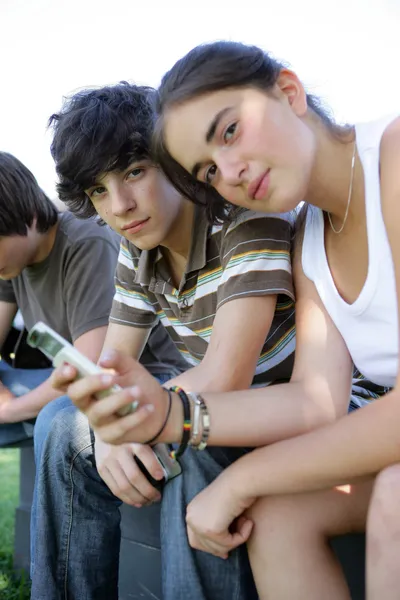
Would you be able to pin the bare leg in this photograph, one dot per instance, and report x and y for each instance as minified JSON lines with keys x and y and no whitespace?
{"x":288,"y":550}
{"x":383,"y":539}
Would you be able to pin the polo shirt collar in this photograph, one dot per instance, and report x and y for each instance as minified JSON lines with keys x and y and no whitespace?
{"x":198,"y":247}
{"x":152,"y":269}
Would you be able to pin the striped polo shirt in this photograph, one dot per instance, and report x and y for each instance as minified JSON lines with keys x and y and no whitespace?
{"x":250,"y":256}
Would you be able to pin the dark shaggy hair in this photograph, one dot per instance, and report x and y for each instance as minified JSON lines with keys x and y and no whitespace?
{"x":22,"y":200}
{"x":98,"y":131}
{"x":209,"y":68}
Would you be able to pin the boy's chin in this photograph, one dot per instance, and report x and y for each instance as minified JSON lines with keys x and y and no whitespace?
{"x":8,"y":275}
{"x":141,"y":242}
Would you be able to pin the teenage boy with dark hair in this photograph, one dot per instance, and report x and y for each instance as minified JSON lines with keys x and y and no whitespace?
{"x":60,"y":270}
{"x":45,"y":258}
{"x":225,"y":295}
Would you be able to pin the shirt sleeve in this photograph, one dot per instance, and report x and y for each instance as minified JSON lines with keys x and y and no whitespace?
{"x":7,"y":292}
{"x":256,"y":257}
{"x":131,"y":304}
{"x":89,"y":284}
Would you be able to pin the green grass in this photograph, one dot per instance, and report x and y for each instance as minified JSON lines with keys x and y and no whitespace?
{"x":12,"y":585}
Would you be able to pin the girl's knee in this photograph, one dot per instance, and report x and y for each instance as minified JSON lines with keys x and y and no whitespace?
{"x":320,"y":514}
{"x":383,"y":527}
{"x":388,"y":480}
{"x":290,"y":513}
{"x":385,"y":501}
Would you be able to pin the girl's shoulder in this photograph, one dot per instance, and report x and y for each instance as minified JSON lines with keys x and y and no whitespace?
{"x":391,"y":136}
{"x":370,"y":135}
{"x":389,"y":159}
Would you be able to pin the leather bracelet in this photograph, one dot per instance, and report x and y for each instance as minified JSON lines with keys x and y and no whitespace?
{"x":187,"y":422}
{"x":153,"y":439}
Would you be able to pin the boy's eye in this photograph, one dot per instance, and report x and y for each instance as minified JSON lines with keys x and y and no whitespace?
{"x":136,"y":172}
{"x":210,"y":173}
{"x":97,"y":191}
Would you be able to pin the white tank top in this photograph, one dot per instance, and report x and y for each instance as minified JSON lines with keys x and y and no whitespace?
{"x":369,"y":326}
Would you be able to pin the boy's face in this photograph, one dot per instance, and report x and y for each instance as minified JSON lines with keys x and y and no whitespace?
{"x":138,"y":203}
{"x":16,"y":253}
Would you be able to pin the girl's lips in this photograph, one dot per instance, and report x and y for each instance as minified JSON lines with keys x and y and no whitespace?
{"x":259,"y":187}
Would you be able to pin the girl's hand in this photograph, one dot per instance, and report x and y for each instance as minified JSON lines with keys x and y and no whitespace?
{"x":138,"y":386}
{"x":214,"y":518}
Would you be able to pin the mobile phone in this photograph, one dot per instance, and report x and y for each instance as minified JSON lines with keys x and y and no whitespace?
{"x":59,"y":351}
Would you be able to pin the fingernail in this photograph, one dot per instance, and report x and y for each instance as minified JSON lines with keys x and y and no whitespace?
{"x":150,"y":408}
{"x":135,"y":405}
{"x":137,"y":505}
{"x":134,"y":391}
{"x":107,"y":355}
{"x":106,"y":379}
{"x":66,"y":370}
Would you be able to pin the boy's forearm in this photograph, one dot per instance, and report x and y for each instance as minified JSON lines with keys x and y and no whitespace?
{"x":354,"y":447}
{"x":263,"y":416}
{"x":30,"y":404}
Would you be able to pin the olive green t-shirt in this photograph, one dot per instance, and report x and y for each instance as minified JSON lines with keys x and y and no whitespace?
{"x":72,"y":289}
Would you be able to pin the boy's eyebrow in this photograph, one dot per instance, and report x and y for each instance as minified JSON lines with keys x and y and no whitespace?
{"x":93,"y":184}
{"x":209,"y":136}
{"x":97,"y":180}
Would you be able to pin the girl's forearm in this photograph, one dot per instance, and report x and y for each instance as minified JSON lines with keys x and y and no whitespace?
{"x":357,"y":445}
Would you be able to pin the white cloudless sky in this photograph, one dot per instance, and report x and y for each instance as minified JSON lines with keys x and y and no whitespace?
{"x":346,"y":51}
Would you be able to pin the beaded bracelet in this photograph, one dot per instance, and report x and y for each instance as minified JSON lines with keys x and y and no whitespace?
{"x":187,"y":423}
{"x":153,"y":439}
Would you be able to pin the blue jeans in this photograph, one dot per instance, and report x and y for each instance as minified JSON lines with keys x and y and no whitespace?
{"x":76,"y":555}
{"x":188,"y":573}
{"x":19,"y":382}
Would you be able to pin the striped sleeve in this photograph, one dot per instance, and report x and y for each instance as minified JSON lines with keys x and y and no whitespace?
{"x":255,"y":257}
{"x":131,"y":305}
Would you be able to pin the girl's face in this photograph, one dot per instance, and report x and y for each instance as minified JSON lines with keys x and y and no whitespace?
{"x":255,"y":148}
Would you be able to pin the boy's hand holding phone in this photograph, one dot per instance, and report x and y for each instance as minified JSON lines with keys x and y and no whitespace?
{"x":136,"y":386}
{"x":120,"y":398}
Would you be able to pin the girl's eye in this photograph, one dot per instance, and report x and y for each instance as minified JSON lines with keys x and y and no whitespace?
{"x":210,"y":173}
{"x":230,"y":132}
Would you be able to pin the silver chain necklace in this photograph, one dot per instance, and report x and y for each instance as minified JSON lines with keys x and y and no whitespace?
{"x":353,"y":161}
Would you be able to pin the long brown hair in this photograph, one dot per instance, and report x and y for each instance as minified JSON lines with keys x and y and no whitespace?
{"x":209,"y":68}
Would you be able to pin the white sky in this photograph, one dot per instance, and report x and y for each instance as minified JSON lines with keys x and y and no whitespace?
{"x":347,"y":51}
